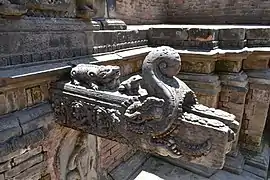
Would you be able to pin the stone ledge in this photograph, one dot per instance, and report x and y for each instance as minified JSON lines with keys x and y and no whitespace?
{"x":61,"y":66}
{"x":33,"y":124}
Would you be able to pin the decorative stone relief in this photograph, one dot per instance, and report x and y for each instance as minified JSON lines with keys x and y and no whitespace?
{"x":77,"y":157}
{"x":155,"y":112}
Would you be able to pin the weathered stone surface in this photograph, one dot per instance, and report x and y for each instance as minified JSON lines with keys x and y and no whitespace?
{"x":256,"y":60}
{"x":230,"y":61}
{"x":234,"y":164}
{"x":28,"y":154}
{"x":206,"y":87}
{"x":184,"y":38}
{"x":24,"y":166}
{"x":126,"y":169}
{"x":258,"y":160}
{"x":256,"y":171}
{"x":165,"y":170}
{"x":216,"y":127}
{"x":77,"y":156}
{"x":113,"y":24}
{"x":29,"y":8}
{"x":256,"y":109}
{"x":194,"y":168}
{"x":198,"y":62}
{"x":20,"y":142}
{"x":232,"y":98}
{"x":34,"y":173}
{"x":5,"y":166}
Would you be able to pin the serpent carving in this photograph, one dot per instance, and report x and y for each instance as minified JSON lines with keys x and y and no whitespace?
{"x":158,"y":113}
{"x":154,"y":111}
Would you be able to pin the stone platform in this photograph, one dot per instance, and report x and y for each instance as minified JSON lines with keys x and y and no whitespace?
{"x":142,"y":166}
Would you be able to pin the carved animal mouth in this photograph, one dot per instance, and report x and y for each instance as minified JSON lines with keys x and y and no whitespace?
{"x":179,"y":147}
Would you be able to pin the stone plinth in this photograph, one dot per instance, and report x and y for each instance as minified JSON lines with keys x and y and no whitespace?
{"x":60,"y":38}
{"x":257,"y":59}
{"x":184,"y":38}
{"x":232,"y":98}
{"x":233,"y":38}
{"x":206,"y":87}
{"x":230,"y":61}
{"x":198,"y":62}
{"x":256,"y":109}
{"x":258,"y":37}
{"x":117,"y":40}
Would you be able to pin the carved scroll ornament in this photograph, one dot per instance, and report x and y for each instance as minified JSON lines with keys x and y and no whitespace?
{"x":155,"y":111}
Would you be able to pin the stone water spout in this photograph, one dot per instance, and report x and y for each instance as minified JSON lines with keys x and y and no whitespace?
{"x":154,"y":111}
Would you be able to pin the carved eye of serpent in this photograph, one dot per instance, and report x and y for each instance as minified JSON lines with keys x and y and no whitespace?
{"x":91,"y":74}
{"x":162,"y":65}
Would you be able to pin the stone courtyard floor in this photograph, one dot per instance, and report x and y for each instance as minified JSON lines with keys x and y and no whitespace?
{"x":145,"y":167}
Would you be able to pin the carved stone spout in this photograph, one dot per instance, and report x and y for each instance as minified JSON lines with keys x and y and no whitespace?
{"x":155,"y":112}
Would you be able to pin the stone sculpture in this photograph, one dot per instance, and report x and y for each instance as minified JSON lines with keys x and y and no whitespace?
{"x":155,"y":111}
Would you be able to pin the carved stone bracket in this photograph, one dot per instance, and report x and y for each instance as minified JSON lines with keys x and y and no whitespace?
{"x":155,"y":112}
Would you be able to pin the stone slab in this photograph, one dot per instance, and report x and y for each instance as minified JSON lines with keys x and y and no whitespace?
{"x":259,"y":160}
{"x":234,"y":164}
{"x":24,"y":166}
{"x":127,"y":168}
{"x":27,"y":155}
{"x":194,"y":168}
{"x":256,"y":171}
{"x":157,"y":168}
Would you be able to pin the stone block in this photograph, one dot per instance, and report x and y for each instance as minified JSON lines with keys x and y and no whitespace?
{"x":12,"y":155}
{"x":199,"y":62}
{"x":194,"y":168}
{"x":9,"y":127}
{"x":184,"y":38}
{"x":126,"y":169}
{"x":258,"y":159}
{"x":20,"y":142}
{"x":234,"y":164}
{"x":256,"y":60}
{"x":232,"y":44}
{"x":27,"y":155}
{"x":231,"y":38}
{"x":34,"y":112}
{"x":256,"y":110}
{"x":24,"y":166}
{"x":256,"y":171}
{"x":164,"y":170}
{"x":232,"y":97}
{"x":113,"y":24}
{"x":9,"y":133}
{"x":34,"y":173}
{"x":5,"y":166}
{"x":258,"y":33}
{"x":230,"y":61}
{"x":205,"y":86}
{"x":42,"y":121}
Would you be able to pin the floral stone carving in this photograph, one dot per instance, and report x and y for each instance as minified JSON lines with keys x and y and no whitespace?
{"x":155,"y":112}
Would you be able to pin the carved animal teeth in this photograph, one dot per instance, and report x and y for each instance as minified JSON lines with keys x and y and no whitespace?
{"x":175,"y":151}
{"x":173,"y":147}
{"x":178,"y":153}
{"x":171,"y":141}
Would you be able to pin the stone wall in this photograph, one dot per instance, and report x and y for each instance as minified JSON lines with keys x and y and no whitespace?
{"x":141,"y":11}
{"x":193,"y":12}
{"x":112,"y":154}
{"x":218,"y":12}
